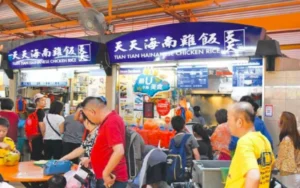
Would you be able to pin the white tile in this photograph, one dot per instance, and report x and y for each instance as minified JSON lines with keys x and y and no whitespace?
{"x":291,"y":93}
{"x":295,"y":74}
{"x":279,"y":93}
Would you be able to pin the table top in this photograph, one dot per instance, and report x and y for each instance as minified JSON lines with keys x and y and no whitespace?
{"x":24,"y":172}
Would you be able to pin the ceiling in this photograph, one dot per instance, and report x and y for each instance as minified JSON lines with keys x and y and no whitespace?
{"x":59,"y":18}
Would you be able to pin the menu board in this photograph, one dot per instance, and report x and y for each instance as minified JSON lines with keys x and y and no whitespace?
{"x":192,"y":78}
{"x":247,"y":76}
{"x":44,"y":78}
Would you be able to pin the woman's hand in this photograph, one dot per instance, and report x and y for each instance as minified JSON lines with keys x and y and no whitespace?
{"x":85,"y":161}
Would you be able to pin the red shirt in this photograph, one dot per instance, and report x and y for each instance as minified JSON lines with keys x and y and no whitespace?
{"x":13,"y":119}
{"x":111,"y":133}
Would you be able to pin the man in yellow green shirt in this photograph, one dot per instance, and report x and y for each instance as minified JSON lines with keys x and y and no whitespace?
{"x":252,"y":163}
{"x":6,"y":144}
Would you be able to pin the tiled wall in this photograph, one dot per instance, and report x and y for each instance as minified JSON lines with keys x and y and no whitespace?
{"x":282,"y":90}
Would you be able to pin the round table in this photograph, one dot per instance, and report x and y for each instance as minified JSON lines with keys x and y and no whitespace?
{"x":27,"y":173}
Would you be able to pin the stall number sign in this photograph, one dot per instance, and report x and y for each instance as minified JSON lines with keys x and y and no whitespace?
{"x":269,"y":110}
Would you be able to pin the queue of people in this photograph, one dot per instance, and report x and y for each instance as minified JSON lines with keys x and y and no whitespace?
{"x":240,"y":136}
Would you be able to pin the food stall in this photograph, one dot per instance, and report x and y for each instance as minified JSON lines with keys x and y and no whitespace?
{"x":64,"y":69}
{"x":166,"y":70}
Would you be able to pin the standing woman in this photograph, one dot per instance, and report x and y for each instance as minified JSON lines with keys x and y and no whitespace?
{"x":288,"y":161}
{"x":198,"y":118}
{"x":54,"y":127}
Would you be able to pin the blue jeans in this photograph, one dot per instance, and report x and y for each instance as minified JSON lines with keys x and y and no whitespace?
{"x":117,"y":184}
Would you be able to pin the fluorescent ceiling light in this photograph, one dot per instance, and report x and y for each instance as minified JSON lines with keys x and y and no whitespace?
{"x":162,"y":64}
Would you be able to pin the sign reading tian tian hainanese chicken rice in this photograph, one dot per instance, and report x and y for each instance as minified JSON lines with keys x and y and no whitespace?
{"x":163,"y":107}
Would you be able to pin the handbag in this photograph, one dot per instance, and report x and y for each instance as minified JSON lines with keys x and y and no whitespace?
{"x":53,"y":167}
{"x":52,"y":127}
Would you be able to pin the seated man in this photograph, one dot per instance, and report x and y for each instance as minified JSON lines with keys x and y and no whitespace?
{"x":7,"y":145}
{"x":252,"y":163}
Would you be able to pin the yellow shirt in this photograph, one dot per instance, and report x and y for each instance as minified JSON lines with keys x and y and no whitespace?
{"x":253,"y":151}
{"x":4,"y":152}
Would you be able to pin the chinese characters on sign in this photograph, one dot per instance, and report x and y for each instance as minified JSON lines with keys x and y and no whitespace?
{"x":192,"y":78}
{"x":168,"y":42}
{"x":185,"y":41}
{"x":54,"y":52}
{"x":83,"y":53}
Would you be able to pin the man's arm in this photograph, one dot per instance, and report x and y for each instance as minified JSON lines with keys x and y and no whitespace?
{"x":196,"y":154}
{"x":116,"y":157}
{"x":252,"y":178}
{"x":74,"y":154}
{"x":42,"y":128}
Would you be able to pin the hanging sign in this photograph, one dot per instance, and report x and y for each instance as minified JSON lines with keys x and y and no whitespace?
{"x":54,"y":52}
{"x":186,"y":41}
{"x":150,"y":85}
{"x":193,"y":78}
{"x":249,"y":75}
{"x":163,"y":107}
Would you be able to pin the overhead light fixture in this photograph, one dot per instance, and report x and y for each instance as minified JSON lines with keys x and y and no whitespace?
{"x":162,"y":64}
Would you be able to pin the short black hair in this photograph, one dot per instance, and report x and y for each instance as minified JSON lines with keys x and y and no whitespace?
{"x":56,"y":107}
{"x":4,"y":122}
{"x":101,"y":100}
{"x":200,"y":131}
{"x":57,"y":181}
{"x":7,"y":104}
{"x":79,"y":106}
{"x":221,"y":116}
{"x":196,"y":108}
{"x":250,"y":100}
{"x":178,"y":123}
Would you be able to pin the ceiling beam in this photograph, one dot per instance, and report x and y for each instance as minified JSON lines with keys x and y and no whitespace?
{"x":282,"y":22}
{"x":22,"y":16}
{"x":171,"y":13}
{"x":290,"y":47}
{"x":275,"y":25}
{"x":45,"y":9}
{"x":113,"y":17}
{"x":86,"y":4}
{"x":189,"y":13}
{"x":52,"y":6}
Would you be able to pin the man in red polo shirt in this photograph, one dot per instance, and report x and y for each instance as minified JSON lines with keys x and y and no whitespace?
{"x":107,"y":156}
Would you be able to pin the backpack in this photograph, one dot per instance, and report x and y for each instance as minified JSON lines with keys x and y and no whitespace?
{"x":176,"y":161}
{"x":32,"y":126}
{"x":20,"y":106}
{"x":134,"y":153}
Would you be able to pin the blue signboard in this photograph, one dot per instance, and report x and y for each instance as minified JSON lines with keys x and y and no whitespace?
{"x":192,"y":78}
{"x":150,"y":85}
{"x":186,"y":41}
{"x":54,"y":52}
{"x":250,"y":75}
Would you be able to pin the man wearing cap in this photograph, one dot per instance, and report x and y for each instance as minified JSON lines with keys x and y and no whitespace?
{"x":252,"y":163}
{"x":37,"y":142}
{"x":107,"y":156}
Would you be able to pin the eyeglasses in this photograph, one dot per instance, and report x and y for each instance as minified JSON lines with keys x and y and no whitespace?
{"x":86,"y":118}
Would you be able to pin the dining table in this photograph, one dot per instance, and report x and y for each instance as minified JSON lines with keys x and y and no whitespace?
{"x":27,"y":173}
